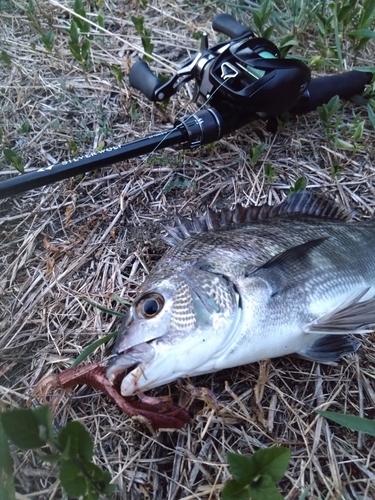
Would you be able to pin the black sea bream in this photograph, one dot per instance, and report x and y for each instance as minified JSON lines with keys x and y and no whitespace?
{"x":249,"y":284}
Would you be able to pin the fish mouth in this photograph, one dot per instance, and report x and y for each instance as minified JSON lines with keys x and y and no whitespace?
{"x":130,"y":362}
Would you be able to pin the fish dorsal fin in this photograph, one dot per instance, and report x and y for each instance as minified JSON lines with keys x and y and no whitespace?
{"x":299,"y":203}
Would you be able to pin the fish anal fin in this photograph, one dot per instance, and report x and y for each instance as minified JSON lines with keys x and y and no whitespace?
{"x":329,"y":349}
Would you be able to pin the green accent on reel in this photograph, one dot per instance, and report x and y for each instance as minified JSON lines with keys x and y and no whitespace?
{"x":255,"y":72}
{"x":267,"y":55}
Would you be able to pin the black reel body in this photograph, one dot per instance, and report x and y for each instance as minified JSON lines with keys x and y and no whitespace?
{"x":246,"y":72}
{"x":251,"y":75}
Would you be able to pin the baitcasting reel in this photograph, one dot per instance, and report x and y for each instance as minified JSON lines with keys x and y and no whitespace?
{"x":246,"y":72}
{"x":239,"y":81}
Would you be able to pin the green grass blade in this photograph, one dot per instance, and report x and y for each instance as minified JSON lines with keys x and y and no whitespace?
{"x":352,"y":422}
{"x":102,"y":308}
{"x":92,"y":347}
{"x":362,"y":33}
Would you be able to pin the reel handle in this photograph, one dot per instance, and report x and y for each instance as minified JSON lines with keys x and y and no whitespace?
{"x":226,"y":24}
{"x":142,"y":78}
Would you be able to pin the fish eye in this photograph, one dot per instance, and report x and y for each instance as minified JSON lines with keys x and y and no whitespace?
{"x":149,"y":305}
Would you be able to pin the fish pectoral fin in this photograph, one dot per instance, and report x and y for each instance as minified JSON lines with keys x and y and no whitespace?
{"x":283,"y":270}
{"x":329,"y":349}
{"x":352,"y":315}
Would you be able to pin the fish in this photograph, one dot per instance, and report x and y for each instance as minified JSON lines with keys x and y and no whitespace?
{"x":248,"y":284}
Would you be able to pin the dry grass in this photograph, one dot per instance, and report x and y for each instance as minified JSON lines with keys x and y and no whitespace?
{"x":95,"y":236}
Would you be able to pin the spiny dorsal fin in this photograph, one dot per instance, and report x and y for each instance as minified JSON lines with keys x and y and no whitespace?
{"x":299,"y":203}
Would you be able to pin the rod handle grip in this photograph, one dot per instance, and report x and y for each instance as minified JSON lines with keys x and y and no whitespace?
{"x":321,"y":90}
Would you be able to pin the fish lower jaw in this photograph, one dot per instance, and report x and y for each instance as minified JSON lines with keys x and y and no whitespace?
{"x":135,"y":382}
{"x":118,"y":369}
{"x":129,"y":380}
{"x":129,"y":366}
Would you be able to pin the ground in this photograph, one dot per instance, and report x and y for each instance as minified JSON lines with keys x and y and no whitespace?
{"x":94,"y":238}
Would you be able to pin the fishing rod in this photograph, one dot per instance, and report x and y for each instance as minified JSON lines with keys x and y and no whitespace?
{"x":239,"y":80}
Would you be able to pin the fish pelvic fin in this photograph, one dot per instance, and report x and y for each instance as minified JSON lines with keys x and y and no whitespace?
{"x":329,"y":349}
{"x":304,"y":203}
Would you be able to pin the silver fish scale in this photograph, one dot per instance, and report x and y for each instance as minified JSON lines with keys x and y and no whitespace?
{"x":259,"y":241}
{"x":183,"y":315}
{"x":220,"y":294}
{"x":234,"y":249}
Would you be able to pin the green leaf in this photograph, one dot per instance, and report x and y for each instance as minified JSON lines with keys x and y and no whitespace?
{"x":117,"y":73}
{"x":264,"y":489}
{"x":7,"y":490}
{"x":77,"y":440}
{"x":362,"y":33}
{"x":268,"y":32}
{"x":352,"y":422}
{"x":48,"y":40}
{"x":299,"y":185}
{"x":242,"y":467}
{"x":371,"y":114}
{"x":98,"y":479}
{"x":101,"y":20}
{"x":269,"y":171}
{"x":43,"y":415}
{"x":255,"y":153}
{"x":335,"y":170}
{"x":73,"y":32}
{"x":6,"y":58}
{"x":255,"y":476}
{"x":323,"y":114}
{"x":14,"y":159}
{"x":25,"y":128}
{"x":23,"y":429}
{"x":272,"y":462}
{"x":92,"y":347}
{"x":367,"y":14}
{"x":72,"y":479}
{"x":358,"y":132}
{"x":85,"y":49}
{"x":138,"y":24}
{"x":286,"y":44}
{"x":100,"y":146}
{"x":333,"y":104}
{"x":75,"y":50}
{"x":344,"y":144}
{"x":326,"y":111}
{"x":233,"y":490}
{"x":79,"y":9}
{"x":257,"y":21}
